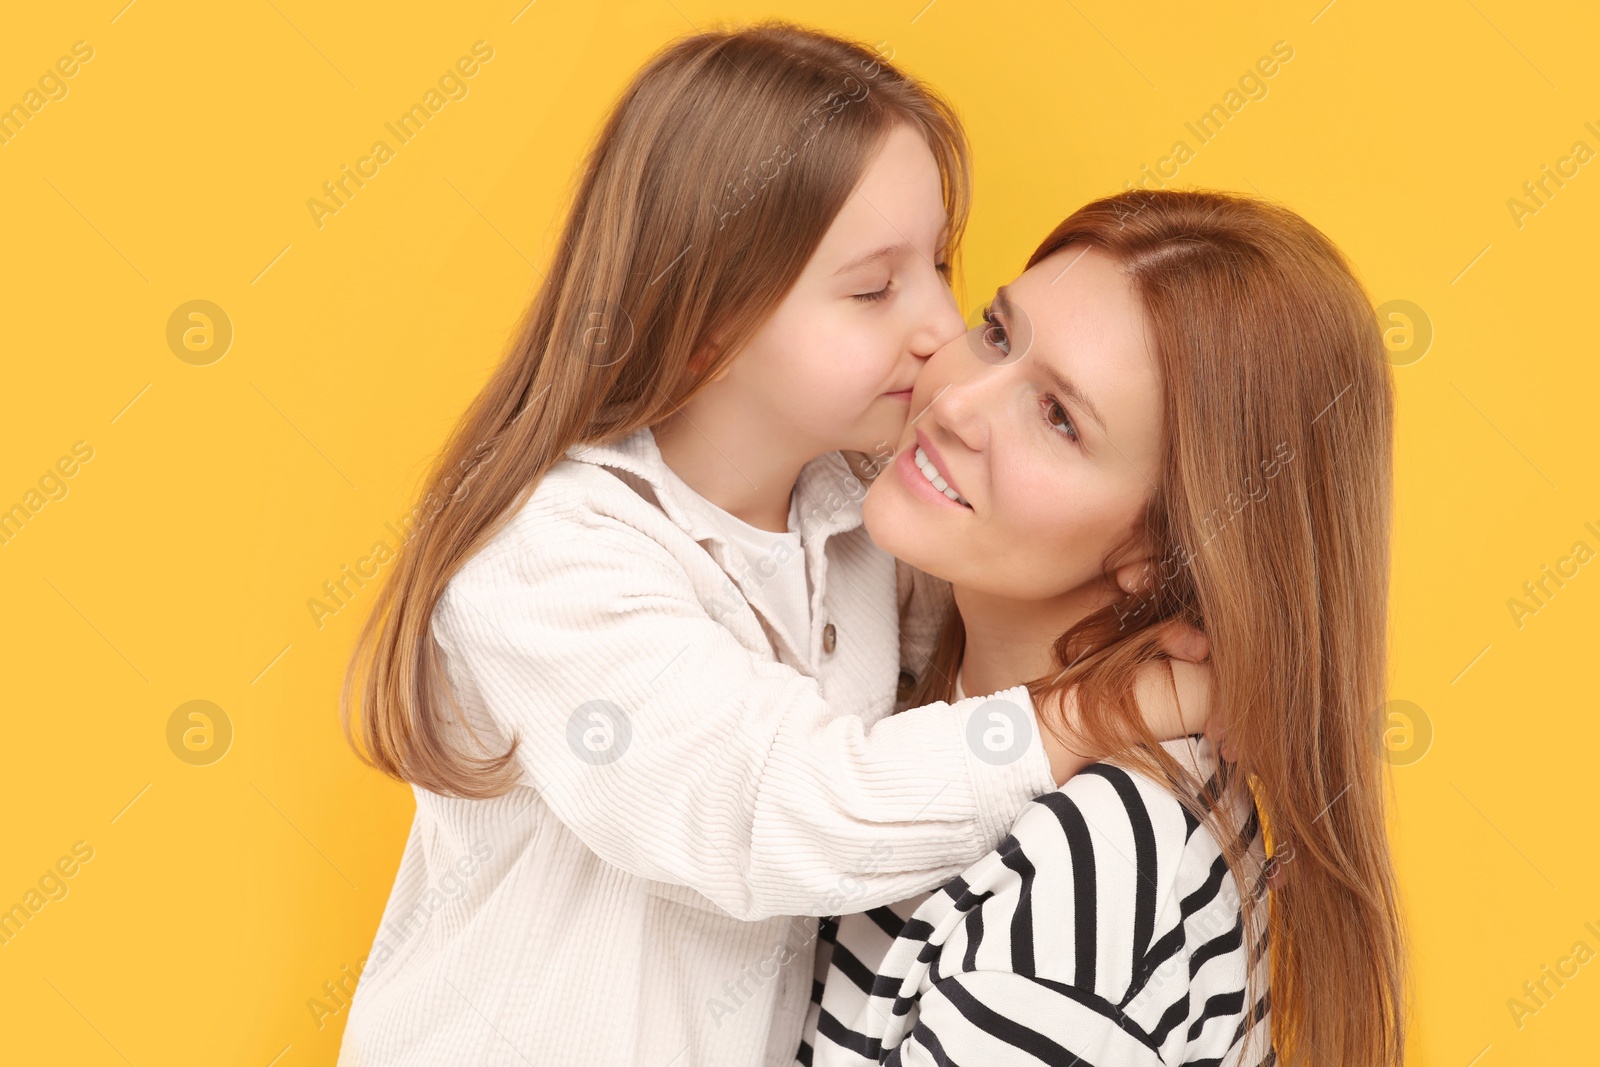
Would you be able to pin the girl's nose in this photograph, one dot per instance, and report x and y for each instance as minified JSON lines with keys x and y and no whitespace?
{"x":943,"y":326}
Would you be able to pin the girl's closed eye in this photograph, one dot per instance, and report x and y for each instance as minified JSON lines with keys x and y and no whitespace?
{"x":867,"y":298}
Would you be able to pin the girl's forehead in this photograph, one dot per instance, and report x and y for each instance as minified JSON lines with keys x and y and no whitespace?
{"x":899,"y":201}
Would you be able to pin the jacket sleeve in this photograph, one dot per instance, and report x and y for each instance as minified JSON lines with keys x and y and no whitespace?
{"x":677,"y":754}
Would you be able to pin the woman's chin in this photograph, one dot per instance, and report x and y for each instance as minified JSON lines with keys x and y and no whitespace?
{"x":898,"y":524}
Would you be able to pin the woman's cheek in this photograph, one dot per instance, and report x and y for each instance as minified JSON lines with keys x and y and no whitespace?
{"x":1056,"y":522}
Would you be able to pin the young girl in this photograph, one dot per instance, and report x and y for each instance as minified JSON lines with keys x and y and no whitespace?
{"x":1198,"y":380}
{"x":640,"y":662}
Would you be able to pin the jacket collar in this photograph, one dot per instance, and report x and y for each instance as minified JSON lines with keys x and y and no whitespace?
{"x":829,"y":495}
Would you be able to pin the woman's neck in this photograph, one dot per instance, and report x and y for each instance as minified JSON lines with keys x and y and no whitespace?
{"x":1009,"y":642}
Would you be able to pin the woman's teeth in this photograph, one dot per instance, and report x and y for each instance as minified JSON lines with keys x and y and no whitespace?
{"x":929,"y":471}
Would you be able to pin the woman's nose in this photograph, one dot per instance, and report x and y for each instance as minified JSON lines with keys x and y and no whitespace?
{"x":961,"y":405}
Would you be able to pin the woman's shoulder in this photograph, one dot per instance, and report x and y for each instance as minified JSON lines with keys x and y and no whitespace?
{"x":1116,"y":798}
{"x":1126,"y":859}
{"x":1108,"y":893}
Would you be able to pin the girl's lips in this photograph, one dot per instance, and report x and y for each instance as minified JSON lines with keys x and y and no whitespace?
{"x":904,"y":394}
{"x":905,"y":467}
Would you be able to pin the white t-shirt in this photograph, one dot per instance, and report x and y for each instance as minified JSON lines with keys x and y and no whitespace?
{"x":776,"y":562}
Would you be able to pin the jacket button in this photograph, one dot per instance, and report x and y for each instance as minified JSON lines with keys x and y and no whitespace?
{"x":830,"y":638}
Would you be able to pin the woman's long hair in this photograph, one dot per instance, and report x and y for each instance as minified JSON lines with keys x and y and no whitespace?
{"x":710,"y":185}
{"x":1269,"y":528}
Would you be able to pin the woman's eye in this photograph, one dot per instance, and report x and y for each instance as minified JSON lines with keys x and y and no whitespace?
{"x":994,"y":334}
{"x":943,"y":269}
{"x":1054,"y":410}
{"x":868,"y":298}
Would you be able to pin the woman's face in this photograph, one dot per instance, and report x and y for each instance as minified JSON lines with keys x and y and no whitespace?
{"x":1047,"y":423}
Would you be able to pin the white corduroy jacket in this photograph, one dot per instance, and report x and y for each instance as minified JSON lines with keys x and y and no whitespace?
{"x":694,"y":789}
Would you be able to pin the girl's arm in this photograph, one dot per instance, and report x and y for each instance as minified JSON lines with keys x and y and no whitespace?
{"x":723,"y":770}
{"x":1174,"y":706}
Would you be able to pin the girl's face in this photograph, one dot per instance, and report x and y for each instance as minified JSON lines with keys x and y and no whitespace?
{"x":1047,"y":423}
{"x":833,"y":367}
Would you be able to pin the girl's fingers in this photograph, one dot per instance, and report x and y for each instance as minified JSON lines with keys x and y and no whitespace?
{"x":1219,"y":737}
{"x":1181,"y":641}
{"x":1192,"y":684}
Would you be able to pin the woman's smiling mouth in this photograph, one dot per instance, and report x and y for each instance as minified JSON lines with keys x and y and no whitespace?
{"x":918,"y":468}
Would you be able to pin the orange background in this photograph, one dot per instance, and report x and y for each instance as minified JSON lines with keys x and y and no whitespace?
{"x":176,"y":563}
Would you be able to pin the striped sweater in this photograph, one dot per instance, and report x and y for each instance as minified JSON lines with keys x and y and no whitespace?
{"x":1105,"y":929}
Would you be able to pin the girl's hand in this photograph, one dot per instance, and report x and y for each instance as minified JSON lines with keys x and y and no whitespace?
{"x":1173,"y":694}
{"x":1182,"y":641}
{"x":1176,"y":701}
{"x":1190,"y":649}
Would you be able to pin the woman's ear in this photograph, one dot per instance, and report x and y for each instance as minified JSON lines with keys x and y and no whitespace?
{"x":1136,"y":576}
{"x":700,"y":358}
{"x":706,"y":355}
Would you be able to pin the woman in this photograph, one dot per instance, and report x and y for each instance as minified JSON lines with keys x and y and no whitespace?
{"x":1180,"y":410}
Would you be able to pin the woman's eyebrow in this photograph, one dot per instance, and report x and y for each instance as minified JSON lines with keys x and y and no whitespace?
{"x":1068,"y":389}
{"x":1006,"y":311}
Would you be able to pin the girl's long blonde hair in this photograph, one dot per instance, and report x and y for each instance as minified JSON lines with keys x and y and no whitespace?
{"x":710,"y":185}
{"x":1269,"y":526}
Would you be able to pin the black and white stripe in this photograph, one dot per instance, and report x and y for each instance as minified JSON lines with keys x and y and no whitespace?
{"x":1104,"y":930}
